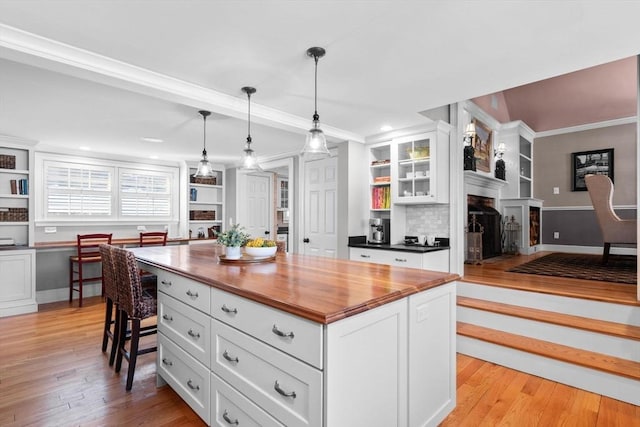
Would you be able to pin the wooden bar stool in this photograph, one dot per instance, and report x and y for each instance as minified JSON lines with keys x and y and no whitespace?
{"x":88,"y":252}
{"x":134,"y":305}
{"x":111,"y":296}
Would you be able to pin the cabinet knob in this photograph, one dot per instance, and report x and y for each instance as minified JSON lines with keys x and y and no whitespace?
{"x":365,"y":256}
{"x":401,"y":260}
{"x":279,"y":333}
{"x":191,"y":294}
{"x":166,"y":282}
{"x":228,"y":310}
{"x":230,"y":358}
{"x":277,"y":388}
{"x":191,"y":386}
{"x":225,"y":416}
{"x":166,"y":317}
{"x":193,"y":334}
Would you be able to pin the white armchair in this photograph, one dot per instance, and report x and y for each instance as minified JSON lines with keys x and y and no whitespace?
{"x":614,"y":229}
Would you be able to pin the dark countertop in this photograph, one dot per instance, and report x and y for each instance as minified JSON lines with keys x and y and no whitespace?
{"x":400,"y":247}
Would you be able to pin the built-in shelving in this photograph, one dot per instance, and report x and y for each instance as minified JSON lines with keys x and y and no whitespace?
{"x":206,"y":205}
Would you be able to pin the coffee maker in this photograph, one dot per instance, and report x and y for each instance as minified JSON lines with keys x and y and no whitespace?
{"x":379,"y":232}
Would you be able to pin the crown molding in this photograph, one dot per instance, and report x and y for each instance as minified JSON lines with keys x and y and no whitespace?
{"x":31,"y":49}
{"x":588,"y":126}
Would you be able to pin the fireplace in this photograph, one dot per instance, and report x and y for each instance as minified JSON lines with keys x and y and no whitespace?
{"x":490,"y":220}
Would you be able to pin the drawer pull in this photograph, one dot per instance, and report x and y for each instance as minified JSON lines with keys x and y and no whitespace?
{"x":191,"y":386}
{"x":279,"y":333}
{"x":277,"y":388}
{"x":365,"y":256}
{"x":225,"y":415}
{"x":166,"y":282}
{"x":166,"y":317}
{"x":228,"y":310}
{"x":401,"y":259}
{"x":191,"y":294}
{"x":167,"y":361}
{"x":229,"y":358}
{"x":193,"y":334}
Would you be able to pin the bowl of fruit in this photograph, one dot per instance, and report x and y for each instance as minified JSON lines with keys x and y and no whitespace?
{"x":260,"y":248}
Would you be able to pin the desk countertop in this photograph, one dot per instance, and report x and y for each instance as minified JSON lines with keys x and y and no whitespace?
{"x":116,"y":242}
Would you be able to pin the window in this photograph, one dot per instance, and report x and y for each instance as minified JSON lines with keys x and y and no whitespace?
{"x":145,"y":194}
{"x":78,"y":190}
{"x":86,"y":189}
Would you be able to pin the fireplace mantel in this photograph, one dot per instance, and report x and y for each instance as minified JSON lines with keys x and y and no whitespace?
{"x":483,"y":180}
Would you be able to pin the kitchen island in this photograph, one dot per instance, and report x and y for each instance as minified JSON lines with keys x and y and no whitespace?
{"x":304,"y":340}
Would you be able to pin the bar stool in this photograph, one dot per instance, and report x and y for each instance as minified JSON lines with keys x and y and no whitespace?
{"x":134,"y":305}
{"x":111,"y":296}
{"x":87,"y":252}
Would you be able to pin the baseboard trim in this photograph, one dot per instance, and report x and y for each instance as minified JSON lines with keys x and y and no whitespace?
{"x":588,"y":249}
{"x":62,"y":294}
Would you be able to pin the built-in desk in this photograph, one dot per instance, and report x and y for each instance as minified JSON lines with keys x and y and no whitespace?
{"x":127,"y":241}
{"x":304,"y":340}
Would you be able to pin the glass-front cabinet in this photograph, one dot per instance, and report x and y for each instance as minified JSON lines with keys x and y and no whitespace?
{"x":420,"y":165}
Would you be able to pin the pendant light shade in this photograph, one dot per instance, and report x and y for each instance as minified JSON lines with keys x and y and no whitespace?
{"x":249,"y":160}
{"x":316,"y":144}
{"x":204,"y":167}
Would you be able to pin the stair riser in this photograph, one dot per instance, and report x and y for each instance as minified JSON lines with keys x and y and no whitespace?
{"x":572,"y":337}
{"x":616,"y":387}
{"x":618,"y":313}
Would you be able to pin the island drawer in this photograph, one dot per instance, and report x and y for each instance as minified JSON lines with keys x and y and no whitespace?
{"x":229,"y":407}
{"x":294,"y":335}
{"x":190,"y":292}
{"x":289,"y":390}
{"x":186,"y":326}
{"x":187,"y":377}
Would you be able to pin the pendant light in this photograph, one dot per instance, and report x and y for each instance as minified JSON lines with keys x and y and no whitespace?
{"x":204,"y":167}
{"x":249,"y":161}
{"x":316,"y":143}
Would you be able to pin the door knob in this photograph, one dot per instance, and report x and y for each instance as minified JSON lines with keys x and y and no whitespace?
{"x":305,"y":240}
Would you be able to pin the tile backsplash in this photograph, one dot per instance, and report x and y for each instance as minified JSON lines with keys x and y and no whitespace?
{"x":428,"y":219}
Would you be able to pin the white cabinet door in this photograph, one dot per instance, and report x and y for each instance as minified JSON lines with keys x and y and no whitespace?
{"x":366,"y":368}
{"x":432,"y":355}
{"x":18,"y":288}
{"x":436,"y":260}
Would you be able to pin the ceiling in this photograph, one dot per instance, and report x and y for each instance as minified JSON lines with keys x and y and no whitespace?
{"x":102,"y":75}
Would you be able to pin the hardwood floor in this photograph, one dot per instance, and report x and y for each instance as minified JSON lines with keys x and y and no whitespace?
{"x":52,"y":373}
{"x":492,"y":272}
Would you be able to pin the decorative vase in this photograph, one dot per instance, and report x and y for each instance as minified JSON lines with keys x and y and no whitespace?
{"x":233,"y":252}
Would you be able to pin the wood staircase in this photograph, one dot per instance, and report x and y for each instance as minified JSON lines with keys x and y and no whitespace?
{"x":591,"y":345}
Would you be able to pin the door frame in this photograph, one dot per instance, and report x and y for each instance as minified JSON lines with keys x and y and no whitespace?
{"x":287,"y":162}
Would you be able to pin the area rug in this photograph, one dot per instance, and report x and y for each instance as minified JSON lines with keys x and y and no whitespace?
{"x":619,"y":269}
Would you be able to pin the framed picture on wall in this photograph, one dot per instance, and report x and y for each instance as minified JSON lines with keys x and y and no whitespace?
{"x":595,"y":162}
{"x":482,"y":146}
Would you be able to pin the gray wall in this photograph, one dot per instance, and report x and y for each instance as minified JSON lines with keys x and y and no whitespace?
{"x":552,"y":168}
{"x":552,"y":164}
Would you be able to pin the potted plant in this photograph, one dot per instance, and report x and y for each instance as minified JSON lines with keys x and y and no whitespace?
{"x":233,"y":239}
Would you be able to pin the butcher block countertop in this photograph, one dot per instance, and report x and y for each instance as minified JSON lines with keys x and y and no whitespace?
{"x":323,"y":290}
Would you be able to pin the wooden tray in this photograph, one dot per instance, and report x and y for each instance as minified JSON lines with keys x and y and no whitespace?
{"x":246,"y":259}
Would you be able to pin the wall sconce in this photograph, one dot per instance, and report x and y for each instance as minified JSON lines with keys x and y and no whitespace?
{"x":469,"y":152}
{"x":500,"y":171}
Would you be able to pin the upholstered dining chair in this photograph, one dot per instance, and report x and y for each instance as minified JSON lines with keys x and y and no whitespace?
{"x":614,"y":229}
{"x":111,"y":306}
{"x":87,"y":252}
{"x":135,"y":306}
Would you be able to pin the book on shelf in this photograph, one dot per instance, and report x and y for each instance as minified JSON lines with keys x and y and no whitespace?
{"x":14,"y":186}
{"x":19,"y":186}
{"x":381,"y":198}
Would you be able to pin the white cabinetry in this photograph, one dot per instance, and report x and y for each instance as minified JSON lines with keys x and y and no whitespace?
{"x":268,"y":367}
{"x":419,"y":167}
{"x":518,"y":140}
{"x":380,"y":180}
{"x":206,"y":203}
{"x":18,"y":284}
{"x":433,"y":260}
{"x":17,"y":261}
{"x":282,"y":188}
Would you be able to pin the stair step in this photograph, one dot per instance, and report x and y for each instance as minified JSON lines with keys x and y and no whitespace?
{"x":587,"y":359}
{"x":592,"y":325}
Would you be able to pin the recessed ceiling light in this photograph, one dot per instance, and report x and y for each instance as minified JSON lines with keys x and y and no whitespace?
{"x":85,"y":148}
{"x":386,"y":128}
{"x":151,"y":139}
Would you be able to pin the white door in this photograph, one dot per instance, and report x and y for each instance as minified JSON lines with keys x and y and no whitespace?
{"x":320,"y":208}
{"x":258,"y":206}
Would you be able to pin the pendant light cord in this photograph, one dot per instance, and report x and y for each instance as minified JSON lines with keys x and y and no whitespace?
{"x":204,"y":135}
{"x":249,"y":118}
{"x":316,"y":117}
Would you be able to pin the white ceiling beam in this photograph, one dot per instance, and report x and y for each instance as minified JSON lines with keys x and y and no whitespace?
{"x":31,"y":49}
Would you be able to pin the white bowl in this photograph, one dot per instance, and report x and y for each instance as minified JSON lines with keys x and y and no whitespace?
{"x":261,"y":252}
